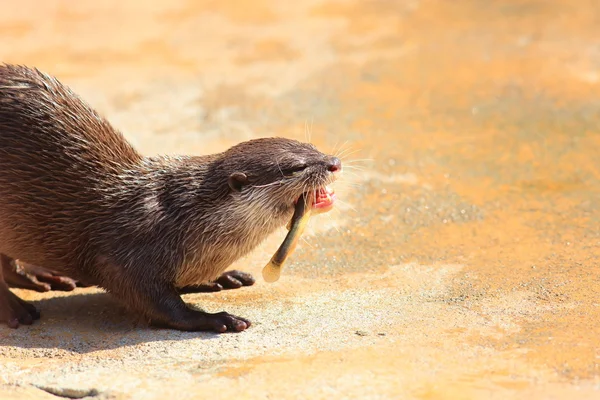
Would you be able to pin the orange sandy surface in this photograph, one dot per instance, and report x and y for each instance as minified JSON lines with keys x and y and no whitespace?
{"x":462,"y":261}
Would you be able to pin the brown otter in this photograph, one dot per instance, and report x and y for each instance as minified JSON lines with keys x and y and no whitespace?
{"x":77,"y":199}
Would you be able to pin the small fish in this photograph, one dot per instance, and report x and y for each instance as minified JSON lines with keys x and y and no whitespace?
{"x":302,"y":212}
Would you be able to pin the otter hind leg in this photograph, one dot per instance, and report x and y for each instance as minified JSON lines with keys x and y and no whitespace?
{"x":13,"y":310}
{"x":32,"y":277}
{"x":228,"y":280}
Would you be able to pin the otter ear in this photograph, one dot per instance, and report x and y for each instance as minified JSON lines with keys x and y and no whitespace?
{"x":237,"y":180}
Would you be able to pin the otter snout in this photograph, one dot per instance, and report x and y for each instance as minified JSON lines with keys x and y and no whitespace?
{"x":334,"y":165}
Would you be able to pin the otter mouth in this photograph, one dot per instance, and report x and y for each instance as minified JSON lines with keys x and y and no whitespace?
{"x":321,"y":199}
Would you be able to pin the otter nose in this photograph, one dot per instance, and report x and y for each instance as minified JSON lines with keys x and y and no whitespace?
{"x":334,"y":165}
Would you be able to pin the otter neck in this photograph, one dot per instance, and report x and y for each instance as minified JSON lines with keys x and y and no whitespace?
{"x":192,"y":193}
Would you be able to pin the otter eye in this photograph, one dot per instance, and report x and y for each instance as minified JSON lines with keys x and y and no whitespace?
{"x":295,"y":170}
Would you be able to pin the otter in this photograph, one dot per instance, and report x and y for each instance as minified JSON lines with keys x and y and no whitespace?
{"x":78,"y":200}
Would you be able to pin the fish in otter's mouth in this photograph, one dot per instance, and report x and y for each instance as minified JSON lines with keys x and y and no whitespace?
{"x":317,"y":201}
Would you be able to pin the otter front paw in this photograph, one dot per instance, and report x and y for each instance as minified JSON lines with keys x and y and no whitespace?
{"x":223,"y":322}
{"x":229,"y":280}
{"x":196,"y":320}
{"x":14,"y":311}
{"x":235,"y":279}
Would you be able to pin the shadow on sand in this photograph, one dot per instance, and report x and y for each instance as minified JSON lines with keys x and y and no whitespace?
{"x":87,"y":322}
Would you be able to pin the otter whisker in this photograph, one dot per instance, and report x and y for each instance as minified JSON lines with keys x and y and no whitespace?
{"x":268,"y":184}
{"x":307,"y":199}
{"x":277,"y":162}
{"x":355,"y":174}
{"x":341,"y":154}
{"x":348,"y":205}
{"x":334,"y":149}
{"x":337,"y":210}
{"x":353,"y":170}
{"x":347,"y":154}
{"x":359,"y":160}
{"x":305,"y":239}
{"x":343,"y":151}
{"x":354,"y":167}
{"x":341,"y":147}
{"x":306,"y":131}
{"x":353,"y":185}
{"x":349,"y":184}
{"x":333,"y":222}
{"x":358,"y":182}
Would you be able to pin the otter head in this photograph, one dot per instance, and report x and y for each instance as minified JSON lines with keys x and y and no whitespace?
{"x":273,"y":173}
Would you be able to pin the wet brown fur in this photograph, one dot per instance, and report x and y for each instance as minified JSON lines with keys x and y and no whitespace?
{"x":77,"y":198}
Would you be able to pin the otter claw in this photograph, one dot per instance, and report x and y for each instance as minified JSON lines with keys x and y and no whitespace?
{"x":235,"y":279}
{"x":224,"y":322}
{"x":229,"y":280}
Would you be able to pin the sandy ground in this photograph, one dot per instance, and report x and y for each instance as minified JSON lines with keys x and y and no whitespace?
{"x":462,"y":260}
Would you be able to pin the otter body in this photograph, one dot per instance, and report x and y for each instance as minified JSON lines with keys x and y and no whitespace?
{"x":78,"y":199}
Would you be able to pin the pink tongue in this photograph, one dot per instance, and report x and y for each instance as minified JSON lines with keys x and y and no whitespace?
{"x":322,"y":199}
